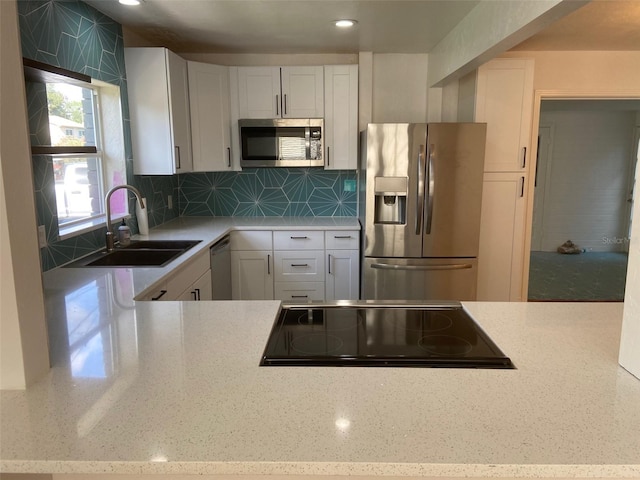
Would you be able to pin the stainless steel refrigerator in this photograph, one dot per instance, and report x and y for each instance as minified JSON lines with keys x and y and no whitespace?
{"x":420,"y":209}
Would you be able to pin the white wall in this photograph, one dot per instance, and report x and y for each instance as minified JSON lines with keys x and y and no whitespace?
{"x":399,"y":88}
{"x":24,"y":354}
{"x":585,"y":198}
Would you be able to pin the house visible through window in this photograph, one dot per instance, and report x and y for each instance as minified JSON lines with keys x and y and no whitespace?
{"x":79,"y":178}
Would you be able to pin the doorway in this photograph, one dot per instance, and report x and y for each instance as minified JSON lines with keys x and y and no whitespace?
{"x":587,"y":156}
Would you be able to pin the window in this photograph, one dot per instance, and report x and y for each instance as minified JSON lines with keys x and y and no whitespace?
{"x":86,"y":146}
{"x":78,"y":179}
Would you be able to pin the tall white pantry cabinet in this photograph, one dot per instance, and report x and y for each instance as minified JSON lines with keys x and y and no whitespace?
{"x":500,"y":94}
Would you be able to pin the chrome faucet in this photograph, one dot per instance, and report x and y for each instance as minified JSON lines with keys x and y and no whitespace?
{"x":109,"y":237}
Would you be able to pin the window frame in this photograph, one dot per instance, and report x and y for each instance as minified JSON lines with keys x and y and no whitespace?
{"x":110,"y":154}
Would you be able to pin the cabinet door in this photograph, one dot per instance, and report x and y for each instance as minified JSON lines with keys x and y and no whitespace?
{"x":302,"y":92}
{"x":199,"y":290}
{"x":158,"y":106}
{"x":501,"y":250}
{"x":180,"y":119}
{"x":210,"y":117}
{"x":341,"y":117}
{"x":299,"y":265}
{"x":251,"y":275}
{"x":504,"y":100}
{"x":259,"y":92}
{"x":343,"y":270}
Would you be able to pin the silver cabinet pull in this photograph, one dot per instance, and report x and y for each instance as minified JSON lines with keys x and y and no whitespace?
{"x":328,"y":156}
{"x":329,"y":263}
{"x":268,"y":264}
{"x":229,"y":157}
{"x":299,"y":296}
{"x":198,"y":293}
{"x":277,"y":104}
{"x":342,"y":236}
{"x":522,"y":187}
{"x":162,"y":292}
{"x":195,"y":296}
{"x":299,"y":238}
{"x":299,"y":264}
{"x":524,"y":156}
{"x":178,"y":160}
{"x":285,"y":103}
{"x":455,"y":266}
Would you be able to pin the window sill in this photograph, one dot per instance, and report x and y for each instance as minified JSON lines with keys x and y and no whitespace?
{"x":70,"y":231}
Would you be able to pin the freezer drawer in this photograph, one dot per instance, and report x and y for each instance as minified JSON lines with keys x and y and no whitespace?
{"x":420,"y":279}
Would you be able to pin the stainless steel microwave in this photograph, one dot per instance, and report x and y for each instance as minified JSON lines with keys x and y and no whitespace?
{"x":281,"y":142}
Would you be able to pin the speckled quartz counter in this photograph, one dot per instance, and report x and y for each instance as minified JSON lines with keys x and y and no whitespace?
{"x":171,"y":387}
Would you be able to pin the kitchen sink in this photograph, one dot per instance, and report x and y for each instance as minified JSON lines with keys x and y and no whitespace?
{"x":145,"y":253}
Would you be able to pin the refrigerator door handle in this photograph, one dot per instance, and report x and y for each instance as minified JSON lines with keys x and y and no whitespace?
{"x":431,"y":181}
{"x":454,"y":266}
{"x":420,"y":195}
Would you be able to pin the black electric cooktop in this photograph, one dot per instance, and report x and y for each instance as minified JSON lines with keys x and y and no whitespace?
{"x":380,"y":335}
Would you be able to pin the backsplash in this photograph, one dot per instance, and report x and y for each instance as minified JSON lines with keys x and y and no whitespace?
{"x":270,"y":192}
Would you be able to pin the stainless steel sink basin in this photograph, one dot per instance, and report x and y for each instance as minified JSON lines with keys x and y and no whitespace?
{"x":145,"y":253}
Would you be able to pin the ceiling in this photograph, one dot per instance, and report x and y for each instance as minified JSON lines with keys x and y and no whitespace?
{"x":384,"y":26}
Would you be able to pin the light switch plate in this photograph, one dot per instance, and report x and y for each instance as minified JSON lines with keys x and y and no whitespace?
{"x":42,"y":236}
{"x":349,"y":186}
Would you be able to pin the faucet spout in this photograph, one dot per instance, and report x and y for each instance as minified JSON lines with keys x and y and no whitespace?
{"x":110,"y":241}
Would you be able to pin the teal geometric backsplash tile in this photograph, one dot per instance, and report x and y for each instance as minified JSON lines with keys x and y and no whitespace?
{"x":268,"y":192}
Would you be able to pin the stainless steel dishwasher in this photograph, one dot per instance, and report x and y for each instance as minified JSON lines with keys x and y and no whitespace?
{"x":221,"y":269}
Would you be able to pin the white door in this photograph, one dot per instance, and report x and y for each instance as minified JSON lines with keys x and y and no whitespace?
{"x":302,"y":92}
{"x":343,"y":270}
{"x":180,"y":119}
{"x":251,"y":275}
{"x":501,"y":251}
{"x":633,"y":184}
{"x":341,"y":117}
{"x":259,"y":92}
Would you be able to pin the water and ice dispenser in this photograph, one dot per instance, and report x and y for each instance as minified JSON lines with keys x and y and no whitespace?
{"x":390,"y":200}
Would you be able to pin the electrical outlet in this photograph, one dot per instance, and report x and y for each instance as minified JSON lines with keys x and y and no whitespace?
{"x":42,"y":236}
{"x":170,"y":202}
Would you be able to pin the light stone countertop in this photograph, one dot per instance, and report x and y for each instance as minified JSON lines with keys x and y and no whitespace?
{"x":175,"y":387}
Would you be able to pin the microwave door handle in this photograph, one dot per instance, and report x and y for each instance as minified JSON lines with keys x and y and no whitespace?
{"x":420,"y":192}
{"x":431,"y":182}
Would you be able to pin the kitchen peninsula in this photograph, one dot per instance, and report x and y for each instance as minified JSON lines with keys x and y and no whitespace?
{"x":175,"y":387}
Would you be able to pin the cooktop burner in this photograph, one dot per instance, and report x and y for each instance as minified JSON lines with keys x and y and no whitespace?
{"x":380,"y":334}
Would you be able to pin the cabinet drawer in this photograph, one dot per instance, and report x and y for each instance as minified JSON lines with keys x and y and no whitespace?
{"x":342,"y":239}
{"x":298,"y":240}
{"x":299,"y":291}
{"x":185,"y":276}
{"x":299,"y":266}
{"x":251,"y":240}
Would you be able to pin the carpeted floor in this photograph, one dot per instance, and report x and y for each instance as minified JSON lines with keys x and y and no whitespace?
{"x":590,"y":276}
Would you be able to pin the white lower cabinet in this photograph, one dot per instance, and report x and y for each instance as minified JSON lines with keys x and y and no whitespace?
{"x":251,"y":265}
{"x":191,"y":281}
{"x":343,"y":265}
{"x":343,"y":270}
{"x":295,"y":265}
{"x":199,"y":290}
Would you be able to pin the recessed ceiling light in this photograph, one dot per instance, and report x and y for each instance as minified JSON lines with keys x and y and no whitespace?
{"x":129,"y":2}
{"x":345,"y":23}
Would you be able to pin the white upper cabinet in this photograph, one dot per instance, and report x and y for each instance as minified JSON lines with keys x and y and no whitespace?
{"x":157,"y":83}
{"x":341,"y":117}
{"x":274,"y":92}
{"x":504,"y":100}
{"x":210,"y":118}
